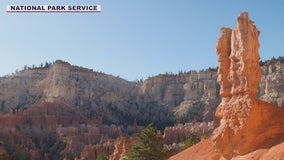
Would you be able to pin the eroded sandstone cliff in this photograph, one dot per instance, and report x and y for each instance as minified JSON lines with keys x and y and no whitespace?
{"x":112,"y":99}
{"x":271,"y":87}
{"x":163,"y":99}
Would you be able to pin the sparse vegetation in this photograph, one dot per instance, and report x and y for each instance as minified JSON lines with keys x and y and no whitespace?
{"x":102,"y":157}
{"x":40,"y":66}
{"x":148,"y":147}
{"x":191,"y":139}
{"x":272,"y":60}
{"x":194,"y":113}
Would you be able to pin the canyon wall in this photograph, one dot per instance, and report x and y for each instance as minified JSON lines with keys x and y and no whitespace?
{"x":163,"y":99}
{"x":271,"y":87}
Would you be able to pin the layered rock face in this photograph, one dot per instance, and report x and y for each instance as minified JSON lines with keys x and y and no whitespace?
{"x":246,"y":122}
{"x":163,"y":99}
{"x":249,"y":128}
{"x":96,"y":94}
{"x":271,"y":88}
{"x":113,"y":99}
{"x":183,"y":93}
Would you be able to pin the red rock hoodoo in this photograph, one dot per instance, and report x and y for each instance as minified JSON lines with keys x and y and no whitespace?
{"x":122,"y":147}
{"x":246,"y":122}
{"x":248,"y":126}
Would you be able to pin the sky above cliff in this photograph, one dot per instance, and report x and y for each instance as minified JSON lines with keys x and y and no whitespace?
{"x":132,"y":39}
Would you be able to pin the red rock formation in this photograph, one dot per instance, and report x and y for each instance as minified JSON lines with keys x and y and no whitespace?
{"x":44,"y":115}
{"x":224,"y":50}
{"x":89,"y":152}
{"x":246,"y":123}
{"x":122,"y":146}
{"x":178,"y":133}
{"x":92,"y":151}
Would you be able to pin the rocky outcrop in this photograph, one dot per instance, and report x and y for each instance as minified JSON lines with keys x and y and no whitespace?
{"x":178,"y":133}
{"x":192,"y":96}
{"x":271,"y":87}
{"x":247,"y":124}
{"x":122,"y":146}
{"x":20,"y":90}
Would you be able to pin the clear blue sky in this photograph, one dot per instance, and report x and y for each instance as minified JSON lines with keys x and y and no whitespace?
{"x":130,"y":38}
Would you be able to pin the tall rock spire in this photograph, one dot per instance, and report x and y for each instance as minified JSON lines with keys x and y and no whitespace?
{"x":246,"y":123}
{"x":239,"y":71}
{"x":245,"y":72}
{"x":223,"y":50}
{"x":247,"y":126}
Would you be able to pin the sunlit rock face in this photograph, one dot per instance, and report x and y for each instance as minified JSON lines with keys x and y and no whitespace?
{"x":164,"y":99}
{"x":249,"y":128}
{"x":271,"y":88}
{"x":246,"y":123}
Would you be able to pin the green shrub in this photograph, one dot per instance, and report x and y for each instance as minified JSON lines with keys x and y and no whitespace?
{"x":102,"y":157}
{"x":148,"y":147}
{"x":191,"y":139}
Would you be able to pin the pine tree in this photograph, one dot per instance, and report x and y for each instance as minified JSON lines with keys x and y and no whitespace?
{"x":148,"y":147}
{"x":191,"y":139}
{"x":102,"y":157}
